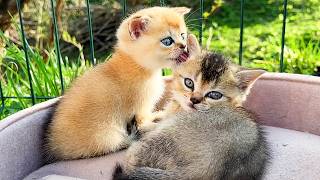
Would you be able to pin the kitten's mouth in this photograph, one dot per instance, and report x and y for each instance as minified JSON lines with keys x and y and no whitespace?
{"x":182,"y":57}
{"x":192,"y":106}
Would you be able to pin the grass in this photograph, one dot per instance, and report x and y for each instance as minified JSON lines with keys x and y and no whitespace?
{"x":262,"y":33}
{"x":44,"y":73}
{"x":261,"y":47}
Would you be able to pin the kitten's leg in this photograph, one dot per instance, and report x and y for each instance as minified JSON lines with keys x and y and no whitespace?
{"x":145,"y":123}
{"x":144,"y":119}
{"x":88,"y":144}
{"x":115,"y":139}
{"x":147,"y":120}
{"x":170,"y":109}
{"x":159,"y":116}
{"x":145,"y":116}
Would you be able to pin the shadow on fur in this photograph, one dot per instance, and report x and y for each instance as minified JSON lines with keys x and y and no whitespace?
{"x":118,"y":173}
{"x":46,"y":156}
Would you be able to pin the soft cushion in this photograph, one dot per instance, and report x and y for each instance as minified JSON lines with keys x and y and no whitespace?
{"x":282,"y":100}
{"x":290,"y":101}
{"x":21,"y":137}
{"x":295,"y":155}
{"x":94,"y":168}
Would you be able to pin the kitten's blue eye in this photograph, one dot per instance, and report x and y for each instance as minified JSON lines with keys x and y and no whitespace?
{"x":214,"y":95}
{"x":168,"y":41}
{"x":189,"y":83}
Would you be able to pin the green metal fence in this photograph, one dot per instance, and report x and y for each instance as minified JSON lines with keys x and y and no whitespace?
{"x":26,"y":48}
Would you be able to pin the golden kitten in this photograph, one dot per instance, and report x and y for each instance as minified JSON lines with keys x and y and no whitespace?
{"x":92,"y":117}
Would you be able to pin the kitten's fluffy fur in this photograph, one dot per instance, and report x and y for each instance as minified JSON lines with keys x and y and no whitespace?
{"x":209,"y":139}
{"x":92,"y":116}
{"x":209,"y":72}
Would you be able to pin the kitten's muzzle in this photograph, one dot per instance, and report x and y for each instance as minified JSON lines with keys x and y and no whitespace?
{"x":182,"y":46}
{"x":192,"y":106}
{"x":196,"y":99}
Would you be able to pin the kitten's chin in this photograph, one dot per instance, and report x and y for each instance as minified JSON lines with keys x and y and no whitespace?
{"x":188,"y":107}
{"x":201,"y":107}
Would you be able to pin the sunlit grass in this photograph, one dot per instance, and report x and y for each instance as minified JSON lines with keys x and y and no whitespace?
{"x":44,"y":74}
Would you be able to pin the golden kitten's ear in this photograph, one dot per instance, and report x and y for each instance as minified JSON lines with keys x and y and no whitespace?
{"x":247,"y":78}
{"x":193,"y":45}
{"x":138,"y":25}
{"x":181,"y":10}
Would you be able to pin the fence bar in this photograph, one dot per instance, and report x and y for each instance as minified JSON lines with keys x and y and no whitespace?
{"x":24,"y":41}
{"x":200,"y":22}
{"x":2,"y":98}
{"x":124,"y":8}
{"x":90,"y":34}
{"x":57,"y":46}
{"x":162,"y":3}
{"x":241,"y":32}
{"x":27,"y":97}
{"x":283,"y":34}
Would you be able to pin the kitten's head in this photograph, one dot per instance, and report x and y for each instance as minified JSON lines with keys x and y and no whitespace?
{"x":155,"y":37}
{"x":209,"y":78}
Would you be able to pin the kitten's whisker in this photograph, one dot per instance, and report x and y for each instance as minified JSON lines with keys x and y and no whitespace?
{"x":187,"y":21}
{"x":193,"y":25}
{"x":192,"y":13}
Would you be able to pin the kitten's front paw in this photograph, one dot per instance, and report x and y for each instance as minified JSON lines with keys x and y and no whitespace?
{"x":156,"y":120}
{"x":150,"y":117}
{"x":148,"y":122}
{"x":146,"y":127}
{"x":158,"y":116}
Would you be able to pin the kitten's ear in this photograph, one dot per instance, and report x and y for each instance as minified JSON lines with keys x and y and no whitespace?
{"x":247,"y":78}
{"x":193,"y":45}
{"x":138,"y":25}
{"x":181,"y":10}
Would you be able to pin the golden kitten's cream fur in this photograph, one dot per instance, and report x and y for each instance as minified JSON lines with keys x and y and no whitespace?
{"x":92,"y":117}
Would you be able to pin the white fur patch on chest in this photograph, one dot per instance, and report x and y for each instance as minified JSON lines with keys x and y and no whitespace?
{"x":151,"y":91}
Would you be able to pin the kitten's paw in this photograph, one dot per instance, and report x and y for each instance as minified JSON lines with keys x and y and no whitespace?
{"x":158,"y":116}
{"x":156,"y":120}
{"x":146,"y":127}
{"x":150,"y":117}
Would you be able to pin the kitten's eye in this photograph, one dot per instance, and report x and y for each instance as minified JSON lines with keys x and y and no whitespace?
{"x":189,"y":83}
{"x":214,"y":95}
{"x":183,"y":35}
{"x":168,"y":41}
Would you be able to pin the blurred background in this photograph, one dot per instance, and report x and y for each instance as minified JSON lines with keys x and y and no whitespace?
{"x":220,"y":28}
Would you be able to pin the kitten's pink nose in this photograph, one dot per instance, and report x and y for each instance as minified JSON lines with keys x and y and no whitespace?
{"x":196,"y":100}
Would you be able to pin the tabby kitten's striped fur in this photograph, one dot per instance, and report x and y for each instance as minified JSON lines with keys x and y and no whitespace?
{"x":212,"y":137}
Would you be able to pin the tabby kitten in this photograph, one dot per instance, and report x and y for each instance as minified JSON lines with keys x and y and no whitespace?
{"x":211,"y":136}
{"x":92,"y":116}
{"x":206,"y":79}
